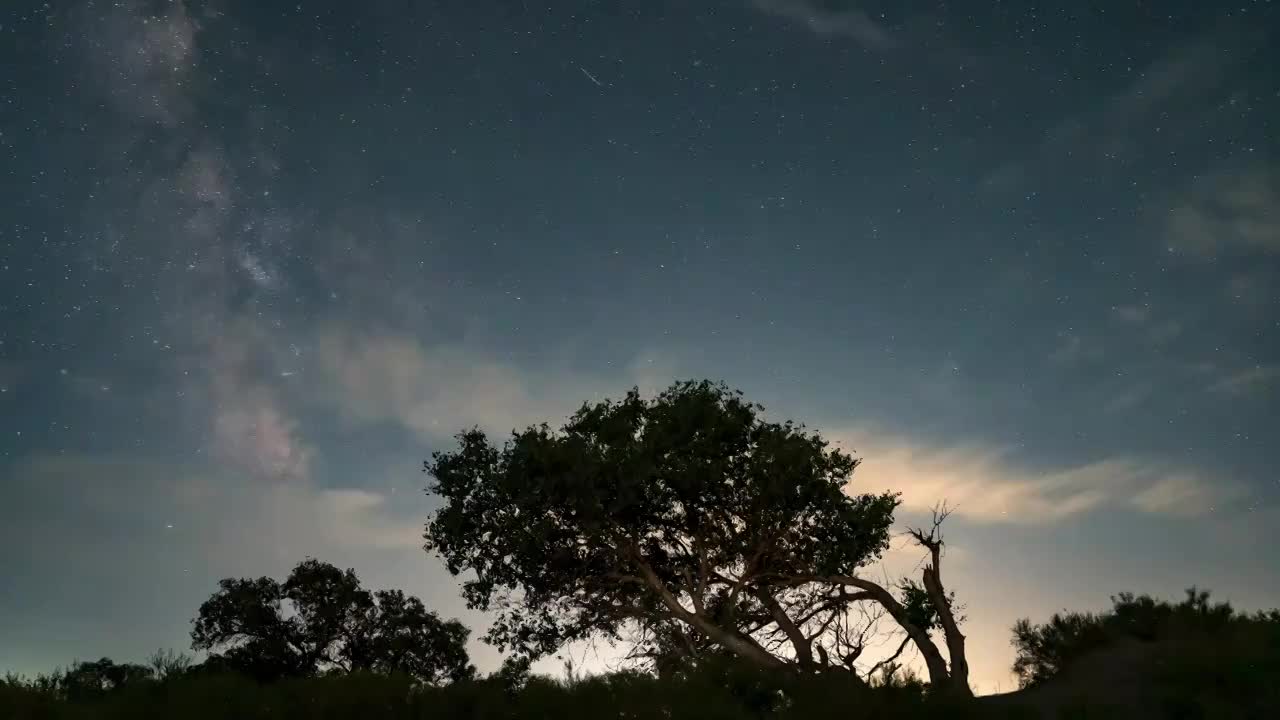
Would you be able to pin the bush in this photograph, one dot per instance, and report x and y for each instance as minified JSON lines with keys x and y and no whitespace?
{"x":725,"y":692}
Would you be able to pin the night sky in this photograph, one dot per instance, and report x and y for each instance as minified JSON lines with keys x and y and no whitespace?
{"x":259,"y":259}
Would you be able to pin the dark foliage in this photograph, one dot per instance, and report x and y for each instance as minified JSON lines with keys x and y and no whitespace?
{"x":321,"y":619}
{"x":1048,"y":650}
{"x":89,"y":680}
{"x":726,"y":690}
{"x":1234,"y":681}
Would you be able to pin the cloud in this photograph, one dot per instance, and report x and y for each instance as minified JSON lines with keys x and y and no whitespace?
{"x":1249,"y":380}
{"x":1164,"y":332}
{"x":1132,"y":314}
{"x":1130,"y":397}
{"x":1178,"y":495}
{"x":1230,"y":212}
{"x":210,"y":508}
{"x":986,"y":484}
{"x":1158,"y":332}
{"x":1073,"y":349}
{"x":1253,"y":289}
{"x":823,"y":20}
{"x":362,"y":516}
{"x":1174,"y":93}
{"x":1184,"y":72}
{"x":437,"y":390}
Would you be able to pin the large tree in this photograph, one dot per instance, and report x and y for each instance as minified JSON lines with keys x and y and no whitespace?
{"x":686,"y":518}
{"x":321,"y":619}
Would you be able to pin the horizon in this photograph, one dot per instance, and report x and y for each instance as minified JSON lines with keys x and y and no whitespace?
{"x":258,"y":263}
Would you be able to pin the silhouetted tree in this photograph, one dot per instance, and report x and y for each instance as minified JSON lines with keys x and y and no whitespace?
{"x":514,"y":673}
{"x":167,"y":665}
{"x":688,"y":518}
{"x":1044,"y":651}
{"x":321,"y":619}
{"x":401,"y":636}
{"x":89,"y":680}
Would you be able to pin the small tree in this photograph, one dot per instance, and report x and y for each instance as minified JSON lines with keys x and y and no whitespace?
{"x":320,"y":619}
{"x":167,"y":664}
{"x":1045,"y":651}
{"x":92,"y":679}
{"x":687,"y":519}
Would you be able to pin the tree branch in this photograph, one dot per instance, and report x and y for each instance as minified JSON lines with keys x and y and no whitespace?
{"x":892,"y":658}
{"x":937,"y":594}
{"x":735,"y":642}
{"x":801,"y":644}
{"x":938,"y":673}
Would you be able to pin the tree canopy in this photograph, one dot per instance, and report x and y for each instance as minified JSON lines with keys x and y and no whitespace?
{"x":1048,"y":650}
{"x":91,"y":679}
{"x":684,"y":520}
{"x":319,"y":619}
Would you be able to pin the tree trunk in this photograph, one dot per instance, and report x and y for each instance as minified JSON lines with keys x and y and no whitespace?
{"x":734,"y":642}
{"x":959,"y":680}
{"x":939,"y":676}
{"x":802,"y":645}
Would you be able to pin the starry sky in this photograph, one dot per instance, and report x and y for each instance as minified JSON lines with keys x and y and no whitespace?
{"x":259,"y":259}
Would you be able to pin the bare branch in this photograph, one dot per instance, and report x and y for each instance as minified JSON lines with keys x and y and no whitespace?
{"x":889,"y":660}
{"x":801,"y":644}
{"x":937,"y":594}
{"x":734,"y":641}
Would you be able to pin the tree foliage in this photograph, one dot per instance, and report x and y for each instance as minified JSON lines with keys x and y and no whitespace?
{"x":321,"y":619}
{"x":92,"y":679}
{"x":1047,"y":650}
{"x":166,"y":664}
{"x":688,"y":519}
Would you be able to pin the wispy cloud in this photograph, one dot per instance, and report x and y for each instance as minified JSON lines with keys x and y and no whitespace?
{"x":1116,"y":124}
{"x":987,"y":484}
{"x":437,"y":390}
{"x":1171,"y":91}
{"x":1132,"y":314}
{"x":1143,"y":319}
{"x":1249,"y":380}
{"x":433,"y":391}
{"x":1253,"y":289}
{"x":825,"y":20}
{"x":214,"y":507}
{"x":1073,"y":349}
{"x":1164,"y":331}
{"x":1180,"y":494}
{"x":1229,"y":212}
{"x":1130,"y":397}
